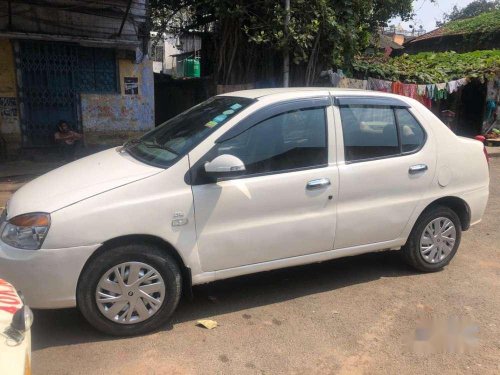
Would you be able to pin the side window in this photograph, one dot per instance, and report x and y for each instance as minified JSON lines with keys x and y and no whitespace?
{"x":290,"y":140}
{"x":369,"y":132}
{"x":412,"y":134}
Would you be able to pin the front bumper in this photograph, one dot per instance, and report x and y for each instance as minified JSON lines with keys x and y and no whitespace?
{"x":47,"y":278}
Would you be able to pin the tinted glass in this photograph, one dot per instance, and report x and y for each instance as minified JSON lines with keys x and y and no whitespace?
{"x":176,"y":137}
{"x":369,"y":132}
{"x":291,"y":140}
{"x":412,"y":134}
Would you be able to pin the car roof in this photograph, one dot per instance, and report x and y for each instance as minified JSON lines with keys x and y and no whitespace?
{"x":307,"y":91}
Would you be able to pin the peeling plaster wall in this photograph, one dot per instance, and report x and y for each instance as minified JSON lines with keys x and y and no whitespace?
{"x":9,"y":107}
{"x":113,"y":118}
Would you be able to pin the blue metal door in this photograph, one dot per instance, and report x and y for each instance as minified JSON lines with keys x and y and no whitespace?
{"x":48,"y":90}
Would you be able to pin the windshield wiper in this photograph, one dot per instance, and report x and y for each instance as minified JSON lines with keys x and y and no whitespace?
{"x":131,"y":143}
{"x":149,"y":144}
{"x":154,"y":144}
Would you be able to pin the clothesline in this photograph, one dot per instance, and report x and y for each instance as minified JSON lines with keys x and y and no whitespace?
{"x":424,"y":93}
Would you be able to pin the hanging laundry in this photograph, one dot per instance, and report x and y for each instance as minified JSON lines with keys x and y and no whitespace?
{"x":353,"y":83}
{"x":424,"y":100}
{"x":409,"y":90}
{"x":372,"y":84}
{"x":441,"y":92}
{"x":387,"y":86}
{"x":379,"y":85}
{"x":427,"y":102}
{"x":424,"y":93}
{"x":452,"y":86}
{"x":397,"y":88}
{"x":462,"y":81}
{"x":334,"y":78}
{"x":441,"y":86}
{"x":490,"y":109}
{"x":421,"y":90}
{"x":343,"y":83}
{"x":431,"y":90}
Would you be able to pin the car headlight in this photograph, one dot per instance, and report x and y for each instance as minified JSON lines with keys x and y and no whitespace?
{"x":26,"y":231}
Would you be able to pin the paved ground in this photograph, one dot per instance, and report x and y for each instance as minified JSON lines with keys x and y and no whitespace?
{"x":348,"y":316}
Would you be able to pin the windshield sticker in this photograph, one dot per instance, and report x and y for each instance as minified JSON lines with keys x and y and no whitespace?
{"x":211,"y":124}
{"x":236,"y":106}
{"x":219,"y":118}
{"x":228,"y":112}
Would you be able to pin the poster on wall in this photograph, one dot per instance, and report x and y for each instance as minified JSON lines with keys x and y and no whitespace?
{"x":8,"y":107}
{"x":131,"y":85}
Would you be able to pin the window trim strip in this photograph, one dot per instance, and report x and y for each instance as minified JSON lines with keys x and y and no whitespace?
{"x":271,"y":111}
{"x":370,"y":101}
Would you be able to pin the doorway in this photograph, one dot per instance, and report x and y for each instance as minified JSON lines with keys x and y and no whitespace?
{"x":471,"y":108}
{"x":52,"y":77}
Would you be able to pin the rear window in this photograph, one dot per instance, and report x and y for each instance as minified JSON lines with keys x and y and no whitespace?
{"x":369,"y":132}
{"x":412,"y":134}
{"x":377,"y":131}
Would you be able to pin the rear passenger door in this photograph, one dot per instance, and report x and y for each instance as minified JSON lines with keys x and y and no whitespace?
{"x":386,"y":163}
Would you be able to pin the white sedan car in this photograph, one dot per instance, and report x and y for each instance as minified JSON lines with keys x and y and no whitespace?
{"x":245,"y":182}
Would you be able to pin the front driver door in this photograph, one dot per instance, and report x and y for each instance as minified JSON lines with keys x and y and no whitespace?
{"x":282,"y":206}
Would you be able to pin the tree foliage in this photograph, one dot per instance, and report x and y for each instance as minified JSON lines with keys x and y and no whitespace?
{"x":430,"y":67}
{"x":471,"y":10}
{"x":320,"y":32}
{"x":483,"y":23}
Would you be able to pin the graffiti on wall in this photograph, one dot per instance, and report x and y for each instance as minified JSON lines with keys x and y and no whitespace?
{"x":8,"y":107}
{"x":116,"y":113}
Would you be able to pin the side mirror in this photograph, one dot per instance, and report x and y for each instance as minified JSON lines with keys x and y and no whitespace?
{"x":224,"y":166}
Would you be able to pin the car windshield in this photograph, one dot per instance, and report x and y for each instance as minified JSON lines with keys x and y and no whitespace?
{"x":173,"y":139}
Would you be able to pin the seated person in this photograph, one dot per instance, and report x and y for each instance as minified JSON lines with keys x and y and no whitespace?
{"x":67,"y":140}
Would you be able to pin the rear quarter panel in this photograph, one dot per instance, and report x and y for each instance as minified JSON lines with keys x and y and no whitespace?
{"x":461,"y":169}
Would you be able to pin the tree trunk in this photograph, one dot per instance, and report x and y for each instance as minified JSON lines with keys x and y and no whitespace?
{"x":286,"y":52}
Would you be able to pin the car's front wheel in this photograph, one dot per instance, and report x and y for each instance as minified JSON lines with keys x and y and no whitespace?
{"x":129,"y":290}
{"x":434,"y":240}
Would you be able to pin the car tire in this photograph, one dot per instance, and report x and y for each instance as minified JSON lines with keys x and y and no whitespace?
{"x":418,"y":251}
{"x":116,"y":267}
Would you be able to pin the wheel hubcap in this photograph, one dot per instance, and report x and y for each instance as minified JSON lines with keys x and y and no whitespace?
{"x":130,"y":293}
{"x":438,"y":240}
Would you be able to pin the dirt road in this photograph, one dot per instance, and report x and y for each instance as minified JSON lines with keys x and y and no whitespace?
{"x":349,"y":316}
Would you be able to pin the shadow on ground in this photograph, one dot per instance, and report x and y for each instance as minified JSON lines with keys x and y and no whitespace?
{"x":67,"y":326}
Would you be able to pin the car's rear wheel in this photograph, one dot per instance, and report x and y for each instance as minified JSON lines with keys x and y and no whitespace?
{"x":434,"y":240}
{"x":129,"y":290}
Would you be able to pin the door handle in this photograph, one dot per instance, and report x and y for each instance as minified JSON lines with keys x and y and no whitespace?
{"x":418,"y":168}
{"x":318,"y":184}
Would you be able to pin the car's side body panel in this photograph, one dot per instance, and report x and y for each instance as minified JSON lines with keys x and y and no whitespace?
{"x":241,"y":222}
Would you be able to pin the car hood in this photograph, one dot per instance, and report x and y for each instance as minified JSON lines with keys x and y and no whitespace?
{"x":77,"y":181}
